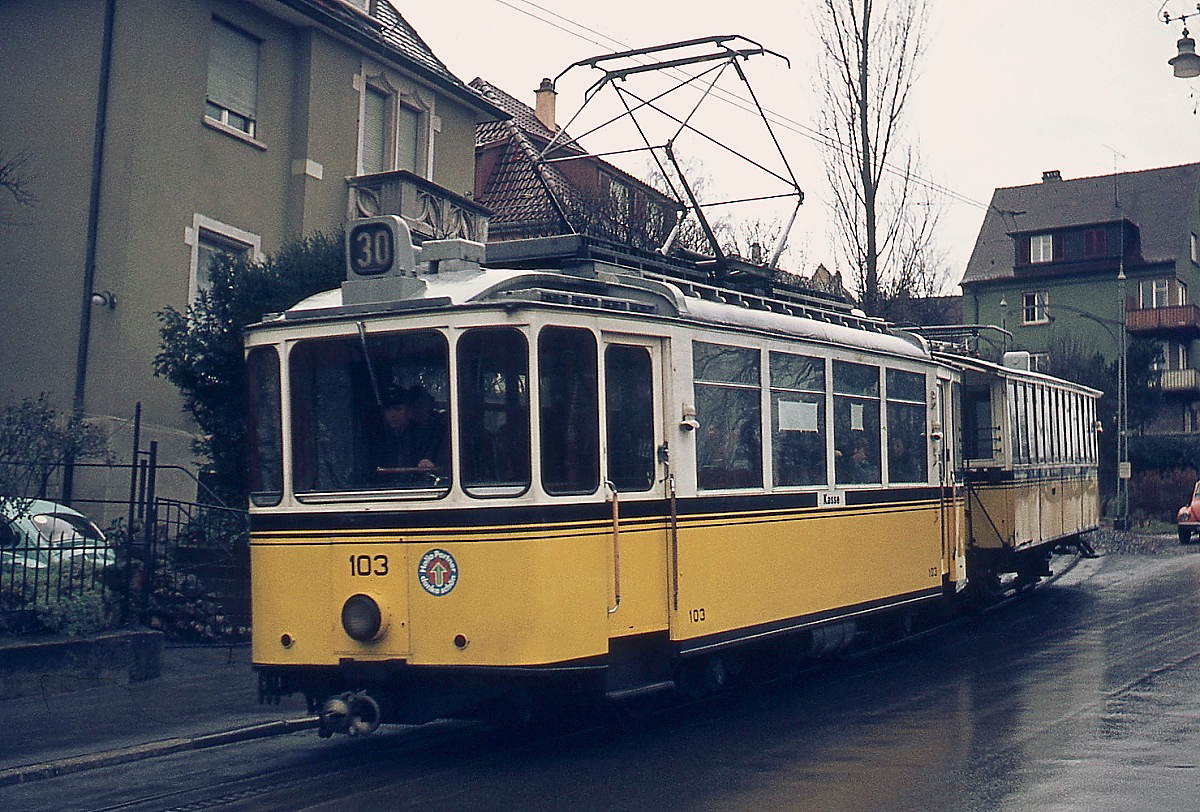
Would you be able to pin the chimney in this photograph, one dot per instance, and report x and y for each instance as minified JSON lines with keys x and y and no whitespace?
{"x":1051,"y":175}
{"x":544,"y":109}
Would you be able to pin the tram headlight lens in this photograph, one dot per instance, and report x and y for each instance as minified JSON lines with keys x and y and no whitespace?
{"x":362,"y":618}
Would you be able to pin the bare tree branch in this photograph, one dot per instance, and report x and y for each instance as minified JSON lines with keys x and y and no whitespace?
{"x":15,"y":177}
{"x":884,"y":217}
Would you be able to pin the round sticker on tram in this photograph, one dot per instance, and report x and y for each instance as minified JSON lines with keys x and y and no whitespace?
{"x":438,"y":572}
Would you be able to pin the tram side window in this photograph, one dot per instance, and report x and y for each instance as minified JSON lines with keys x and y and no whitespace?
{"x":493,"y":385}
{"x":908,"y":459}
{"x":728,"y":407}
{"x":371,"y":412}
{"x":264,"y":430}
{"x":568,"y":410}
{"x":977,"y":424}
{"x":798,"y":419}
{"x":629,"y":414}
{"x":1029,"y":427}
{"x":856,"y":423}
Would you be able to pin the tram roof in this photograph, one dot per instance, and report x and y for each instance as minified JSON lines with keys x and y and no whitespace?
{"x":1009,"y":371}
{"x":579,"y":273}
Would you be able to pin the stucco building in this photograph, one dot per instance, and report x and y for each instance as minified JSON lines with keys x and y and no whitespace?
{"x":154,"y":133}
{"x":1048,"y":265}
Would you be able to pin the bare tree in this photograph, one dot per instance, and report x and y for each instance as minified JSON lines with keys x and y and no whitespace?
{"x":885,"y":217}
{"x":15,"y":179}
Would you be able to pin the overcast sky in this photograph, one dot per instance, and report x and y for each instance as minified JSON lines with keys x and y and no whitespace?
{"x":1008,"y":89}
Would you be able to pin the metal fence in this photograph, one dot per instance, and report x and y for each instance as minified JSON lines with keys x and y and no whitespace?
{"x":166,"y":563}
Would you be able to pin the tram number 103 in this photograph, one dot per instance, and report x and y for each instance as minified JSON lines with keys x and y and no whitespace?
{"x":368,"y":565}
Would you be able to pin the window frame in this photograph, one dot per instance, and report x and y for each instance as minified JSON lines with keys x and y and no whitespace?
{"x":1038,"y":307}
{"x":221,"y":104}
{"x":395,"y":100}
{"x":208,"y":229}
{"x":1041,"y":249}
{"x":727,"y":408}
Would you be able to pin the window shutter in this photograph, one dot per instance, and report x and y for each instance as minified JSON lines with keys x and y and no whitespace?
{"x":233,"y":70}
{"x":374,"y":131}
{"x":1059,"y":246}
{"x":1023,"y":250}
{"x":408,"y":139}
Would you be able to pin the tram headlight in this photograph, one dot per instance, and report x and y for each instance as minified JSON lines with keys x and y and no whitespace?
{"x":362,"y":618}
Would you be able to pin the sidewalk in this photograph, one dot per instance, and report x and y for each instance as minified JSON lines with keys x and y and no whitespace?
{"x":205,"y":696}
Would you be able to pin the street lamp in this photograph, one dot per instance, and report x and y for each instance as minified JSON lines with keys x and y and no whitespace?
{"x":1185,"y":63}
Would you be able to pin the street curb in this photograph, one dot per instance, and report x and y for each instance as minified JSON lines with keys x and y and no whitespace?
{"x":138,"y":752}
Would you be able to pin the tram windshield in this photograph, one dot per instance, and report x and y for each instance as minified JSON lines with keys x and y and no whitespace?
{"x":371,"y":412}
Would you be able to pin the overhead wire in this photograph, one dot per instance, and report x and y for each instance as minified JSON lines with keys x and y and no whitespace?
{"x":733,"y":99}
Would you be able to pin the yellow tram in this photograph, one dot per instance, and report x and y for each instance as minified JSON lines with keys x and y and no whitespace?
{"x":573,"y":471}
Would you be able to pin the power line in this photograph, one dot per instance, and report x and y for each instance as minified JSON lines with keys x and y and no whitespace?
{"x":733,"y":99}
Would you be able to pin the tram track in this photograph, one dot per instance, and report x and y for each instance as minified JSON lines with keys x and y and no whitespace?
{"x":470,"y":743}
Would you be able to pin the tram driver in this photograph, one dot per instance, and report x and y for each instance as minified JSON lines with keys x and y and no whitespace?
{"x":415,"y":441}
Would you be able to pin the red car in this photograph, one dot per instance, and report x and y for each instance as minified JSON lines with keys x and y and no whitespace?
{"x":1188,"y":518}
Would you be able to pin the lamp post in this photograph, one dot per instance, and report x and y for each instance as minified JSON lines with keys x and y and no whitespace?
{"x":1123,"y":467}
{"x":1186,"y":63}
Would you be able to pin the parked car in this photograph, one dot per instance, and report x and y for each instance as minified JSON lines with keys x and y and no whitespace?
{"x":1188,"y":518}
{"x":38,"y":533}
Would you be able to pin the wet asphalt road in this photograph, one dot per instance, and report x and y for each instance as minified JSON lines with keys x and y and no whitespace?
{"x":1083,"y":696}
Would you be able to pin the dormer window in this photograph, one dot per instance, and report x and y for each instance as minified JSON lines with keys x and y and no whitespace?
{"x":1095,"y":243}
{"x":1039,"y":249}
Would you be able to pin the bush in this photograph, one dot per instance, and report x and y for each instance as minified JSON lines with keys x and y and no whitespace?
{"x":178,"y":603}
{"x":1159,"y":494}
{"x":69,"y":598}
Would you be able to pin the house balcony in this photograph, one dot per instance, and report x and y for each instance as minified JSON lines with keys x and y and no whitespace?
{"x":1178,"y":320}
{"x":1180,"y":381}
{"x":432,"y":212}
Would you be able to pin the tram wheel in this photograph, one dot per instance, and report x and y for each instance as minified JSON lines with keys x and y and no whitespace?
{"x":702,"y":676}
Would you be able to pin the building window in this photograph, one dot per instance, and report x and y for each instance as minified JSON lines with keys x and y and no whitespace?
{"x":1196,"y":248}
{"x":1095,"y":243}
{"x":1161,"y":293}
{"x":233,"y":79}
{"x":1041,"y":248}
{"x":210,"y":238}
{"x":1174,"y":356}
{"x":1039,"y":362}
{"x":392,"y":128}
{"x":1033,"y":307}
{"x":408,"y":137}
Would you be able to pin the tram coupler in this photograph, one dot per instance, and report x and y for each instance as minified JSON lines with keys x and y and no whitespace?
{"x":352,"y":713}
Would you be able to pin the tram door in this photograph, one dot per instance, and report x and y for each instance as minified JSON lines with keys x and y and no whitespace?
{"x":634,"y":472}
{"x":946,"y":449}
